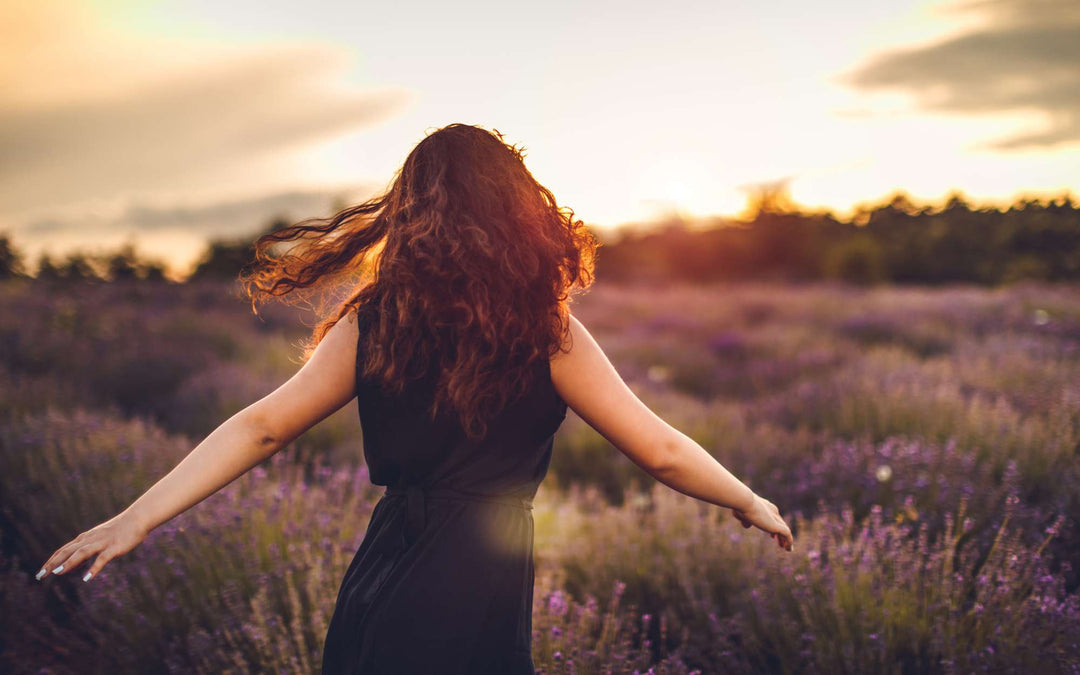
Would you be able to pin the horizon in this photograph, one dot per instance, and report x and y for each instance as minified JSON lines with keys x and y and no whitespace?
{"x":608,"y":236}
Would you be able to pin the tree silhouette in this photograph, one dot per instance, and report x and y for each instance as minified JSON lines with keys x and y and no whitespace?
{"x":11,"y":260}
{"x":77,"y":266}
{"x":124,"y":264}
{"x":895,"y":240}
{"x":46,"y":270}
{"x":770,"y":197}
{"x":225,"y":258}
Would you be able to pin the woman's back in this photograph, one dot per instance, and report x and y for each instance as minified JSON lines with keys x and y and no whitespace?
{"x":403,"y":446}
{"x":443,"y":580}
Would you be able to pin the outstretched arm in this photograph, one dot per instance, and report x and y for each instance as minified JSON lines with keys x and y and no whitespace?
{"x":325,"y":383}
{"x":589,"y":383}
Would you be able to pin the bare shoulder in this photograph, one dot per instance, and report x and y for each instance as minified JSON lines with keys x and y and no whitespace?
{"x":589,"y":383}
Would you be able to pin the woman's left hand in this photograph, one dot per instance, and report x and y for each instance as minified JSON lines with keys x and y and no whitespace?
{"x":112,"y":538}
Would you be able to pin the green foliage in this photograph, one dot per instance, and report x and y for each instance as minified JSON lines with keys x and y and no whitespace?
{"x":896,"y":241}
{"x":856,"y":260}
{"x":224,"y":260}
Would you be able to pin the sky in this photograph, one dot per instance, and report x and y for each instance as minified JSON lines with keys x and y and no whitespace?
{"x":167,"y":123}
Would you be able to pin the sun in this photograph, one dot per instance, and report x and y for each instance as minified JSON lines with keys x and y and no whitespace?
{"x":676,"y":191}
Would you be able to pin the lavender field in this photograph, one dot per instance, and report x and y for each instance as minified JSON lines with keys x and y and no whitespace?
{"x":922,"y":442}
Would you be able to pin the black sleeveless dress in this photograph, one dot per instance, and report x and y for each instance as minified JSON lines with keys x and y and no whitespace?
{"x":442,"y":583}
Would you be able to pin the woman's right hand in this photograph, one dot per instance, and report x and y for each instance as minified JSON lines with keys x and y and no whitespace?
{"x":765,"y":516}
{"x":110,"y":539}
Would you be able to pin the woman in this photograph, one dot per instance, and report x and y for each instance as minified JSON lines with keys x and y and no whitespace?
{"x":464,"y":357}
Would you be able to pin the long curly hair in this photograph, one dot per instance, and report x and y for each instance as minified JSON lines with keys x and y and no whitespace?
{"x":466,"y":265}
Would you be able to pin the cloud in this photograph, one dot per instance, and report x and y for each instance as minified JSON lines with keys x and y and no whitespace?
{"x":217,"y":219}
{"x":195,"y":119}
{"x":178,"y":233}
{"x":1025,"y":56}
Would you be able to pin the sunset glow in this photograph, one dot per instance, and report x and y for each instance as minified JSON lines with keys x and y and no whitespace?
{"x":629,"y":113}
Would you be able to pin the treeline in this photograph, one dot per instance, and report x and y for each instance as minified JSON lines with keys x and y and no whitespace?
{"x":896,"y":241}
{"x":222,"y":259}
{"x":119,"y":265}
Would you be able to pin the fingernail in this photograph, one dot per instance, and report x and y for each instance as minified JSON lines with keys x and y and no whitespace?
{"x":58,"y":570}
{"x":42,"y":573}
{"x":87,"y":577}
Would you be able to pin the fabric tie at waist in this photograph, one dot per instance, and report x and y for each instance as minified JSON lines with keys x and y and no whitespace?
{"x":416,"y":507}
